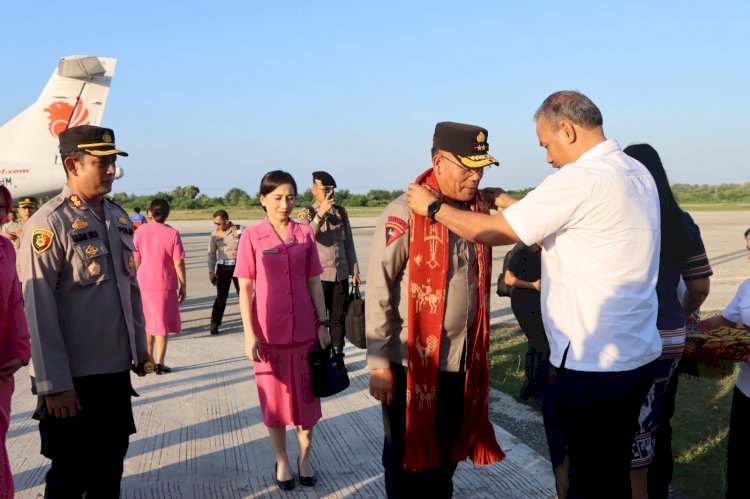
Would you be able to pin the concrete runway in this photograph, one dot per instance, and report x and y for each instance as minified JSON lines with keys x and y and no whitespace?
{"x":200,"y":432}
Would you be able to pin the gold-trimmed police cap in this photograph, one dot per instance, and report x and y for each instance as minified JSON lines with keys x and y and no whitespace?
{"x":28,"y":202}
{"x":467,"y":142}
{"x":323,"y":178}
{"x":90,"y":139}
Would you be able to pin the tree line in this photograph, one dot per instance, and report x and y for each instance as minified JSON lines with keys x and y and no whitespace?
{"x":190,"y":198}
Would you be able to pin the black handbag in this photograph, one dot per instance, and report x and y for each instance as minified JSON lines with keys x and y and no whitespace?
{"x":354,"y":323}
{"x":328,"y":372}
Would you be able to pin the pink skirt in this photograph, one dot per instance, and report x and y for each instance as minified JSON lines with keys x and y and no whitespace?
{"x":284,"y":386}
{"x":161,"y":311}
{"x":6,"y":477}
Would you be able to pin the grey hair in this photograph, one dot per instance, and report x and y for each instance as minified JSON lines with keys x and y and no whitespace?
{"x":569,"y":105}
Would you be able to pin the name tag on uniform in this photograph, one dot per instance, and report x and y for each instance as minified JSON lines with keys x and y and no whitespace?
{"x":271,"y":251}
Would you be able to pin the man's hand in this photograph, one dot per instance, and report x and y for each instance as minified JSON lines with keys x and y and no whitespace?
{"x":211,"y":277}
{"x":325,"y":206}
{"x":324,"y":336}
{"x":8,"y":369}
{"x":381,"y":384}
{"x":182,"y":293}
{"x":537,"y":285}
{"x":63,"y":404}
{"x":356,"y":281}
{"x":419,"y":198}
{"x":498,"y":197}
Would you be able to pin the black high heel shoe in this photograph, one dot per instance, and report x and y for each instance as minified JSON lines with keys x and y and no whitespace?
{"x":283,"y":484}
{"x":307,"y":481}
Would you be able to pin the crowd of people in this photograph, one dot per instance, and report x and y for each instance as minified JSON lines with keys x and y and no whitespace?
{"x":601,"y":247}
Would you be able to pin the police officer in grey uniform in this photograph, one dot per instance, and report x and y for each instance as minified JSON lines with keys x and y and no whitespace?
{"x":390,"y":286}
{"x":85,"y":319}
{"x":222,"y":258}
{"x":333,"y":233}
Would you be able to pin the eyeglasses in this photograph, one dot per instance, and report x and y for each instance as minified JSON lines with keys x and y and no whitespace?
{"x":466,"y":169}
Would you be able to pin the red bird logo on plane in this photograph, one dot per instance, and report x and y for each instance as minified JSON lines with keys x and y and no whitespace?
{"x":62,"y":116}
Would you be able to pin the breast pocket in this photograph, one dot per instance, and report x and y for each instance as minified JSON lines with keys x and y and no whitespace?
{"x":90,"y":263}
{"x":128,"y":255}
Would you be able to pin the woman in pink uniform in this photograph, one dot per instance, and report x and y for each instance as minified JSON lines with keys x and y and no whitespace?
{"x":283,"y":321}
{"x":14,"y":340}
{"x":161,"y":268}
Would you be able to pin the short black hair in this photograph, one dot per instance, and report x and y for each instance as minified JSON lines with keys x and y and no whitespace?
{"x":221,"y":213}
{"x":159,"y":210}
{"x":274,"y":179}
{"x":137,"y":209}
{"x":747,"y":232}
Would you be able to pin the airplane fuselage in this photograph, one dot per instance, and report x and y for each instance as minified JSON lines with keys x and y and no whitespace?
{"x":28,"y":179}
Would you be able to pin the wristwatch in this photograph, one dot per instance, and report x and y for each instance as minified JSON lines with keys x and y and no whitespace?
{"x":324,"y":322}
{"x":433,"y":208}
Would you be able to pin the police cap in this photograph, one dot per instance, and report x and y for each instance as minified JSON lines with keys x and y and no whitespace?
{"x":323,"y":178}
{"x":93,"y":140}
{"x":467,"y":142}
{"x":28,"y":202}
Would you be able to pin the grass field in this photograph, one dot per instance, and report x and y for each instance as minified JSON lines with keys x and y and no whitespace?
{"x":700,"y":424}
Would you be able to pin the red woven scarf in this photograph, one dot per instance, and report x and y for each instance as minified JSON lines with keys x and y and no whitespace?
{"x":428,"y":270}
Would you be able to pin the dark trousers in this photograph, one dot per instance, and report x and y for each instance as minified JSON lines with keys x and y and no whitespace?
{"x":661,"y":468}
{"x":591,"y":418}
{"x":87,"y":451}
{"x":224,"y":279}
{"x":335,"y":293}
{"x":738,"y":446}
{"x":434,"y":483}
{"x":527,"y":309}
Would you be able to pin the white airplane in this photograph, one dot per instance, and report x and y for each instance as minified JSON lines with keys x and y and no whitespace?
{"x":75,"y":95}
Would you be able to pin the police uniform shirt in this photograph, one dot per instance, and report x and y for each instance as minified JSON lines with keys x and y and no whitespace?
{"x":81,"y":295}
{"x":223,"y":246}
{"x":386,"y":306}
{"x":333,"y":233}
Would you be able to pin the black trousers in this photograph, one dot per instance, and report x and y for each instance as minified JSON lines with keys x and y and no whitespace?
{"x":435,"y":483}
{"x":527,"y":309}
{"x":738,"y":446}
{"x":661,"y":468}
{"x":335,"y":293}
{"x":87,"y":451}
{"x":591,"y":418}
{"x":224,"y":279}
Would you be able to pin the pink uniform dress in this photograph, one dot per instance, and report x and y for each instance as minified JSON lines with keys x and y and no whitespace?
{"x":284,"y":319}
{"x":158,"y":245}
{"x":14,"y":344}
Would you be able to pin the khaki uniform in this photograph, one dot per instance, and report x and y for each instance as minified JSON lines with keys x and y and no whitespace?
{"x":333,"y":233}
{"x":81,"y":295}
{"x":223,"y":248}
{"x":386,"y":306}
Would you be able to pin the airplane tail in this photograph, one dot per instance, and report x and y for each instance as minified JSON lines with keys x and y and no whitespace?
{"x":75,"y":95}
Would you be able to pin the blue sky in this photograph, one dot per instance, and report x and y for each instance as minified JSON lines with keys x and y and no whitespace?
{"x":217,"y":93}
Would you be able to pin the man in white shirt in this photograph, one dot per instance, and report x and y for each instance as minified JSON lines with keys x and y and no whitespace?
{"x":598,"y":217}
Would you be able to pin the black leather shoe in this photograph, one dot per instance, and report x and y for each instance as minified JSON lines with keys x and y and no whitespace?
{"x":282,"y":484}
{"x":162,"y":369}
{"x":307,"y":481}
{"x":214,"y":331}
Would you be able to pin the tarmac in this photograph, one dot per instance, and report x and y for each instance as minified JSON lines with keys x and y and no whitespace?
{"x":200,"y":433}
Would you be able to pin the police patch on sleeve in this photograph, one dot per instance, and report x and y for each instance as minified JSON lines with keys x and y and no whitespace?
{"x":41,"y":240}
{"x":394,"y":228}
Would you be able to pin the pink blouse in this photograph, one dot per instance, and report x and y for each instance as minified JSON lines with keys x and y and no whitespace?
{"x":283,"y":311}
{"x":157,"y":247}
{"x":14,"y":332}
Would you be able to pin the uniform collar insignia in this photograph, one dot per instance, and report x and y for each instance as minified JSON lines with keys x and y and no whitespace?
{"x":76,"y":201}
